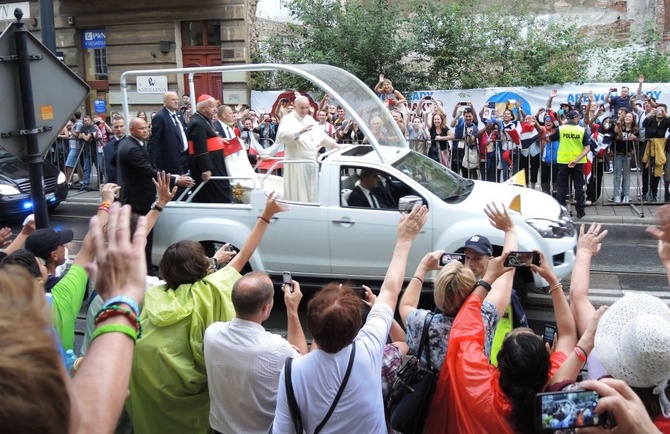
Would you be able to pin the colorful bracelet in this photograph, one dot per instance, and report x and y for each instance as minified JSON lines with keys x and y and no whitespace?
{"x":418,"y":278}
{"x":106,"y":204}
{"x":102,"y":208}
{"x":264,"y":219}
{"x":115,"y":328}
{"x":125,"y":300}
{"x":111,"y":311}
{"x":580,"y":353}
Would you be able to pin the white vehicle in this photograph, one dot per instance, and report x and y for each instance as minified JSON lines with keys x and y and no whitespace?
{"x":330,"y":240}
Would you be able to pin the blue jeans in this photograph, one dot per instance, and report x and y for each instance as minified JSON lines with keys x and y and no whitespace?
{"x":621,"y":170}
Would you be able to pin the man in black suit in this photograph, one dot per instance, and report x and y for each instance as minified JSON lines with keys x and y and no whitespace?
{"x":365,"y":194}
{"x":112,"y":147}
{"x":168,"y":146}
{"x":136,"y":172}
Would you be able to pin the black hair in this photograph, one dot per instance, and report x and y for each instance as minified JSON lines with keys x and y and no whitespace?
{"x":523,"y":362}
{"x":25,"y":259}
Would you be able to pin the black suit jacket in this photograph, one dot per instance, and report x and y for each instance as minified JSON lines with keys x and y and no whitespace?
{"x":135,"y":172}
{"x":110,"y":150}
{"x":357,"y":198}
{"x":166,"y":147}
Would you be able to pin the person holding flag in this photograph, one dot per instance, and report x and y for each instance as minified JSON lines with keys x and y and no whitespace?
{"x":600,"y":139}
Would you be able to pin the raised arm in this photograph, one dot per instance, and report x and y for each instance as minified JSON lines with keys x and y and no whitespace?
{"x":165,"y":195}
{"x":294,"y":332}
{"x":86,"y":253}
{"x":565,"y":322}
{"x":410,"y":298}
{"x":20,"y":239}
{"x":552,"y":95}
{"x":408,"y":228}
{"x":272,"y":207}
{"x":662,"y":233}
{"x":500,"y":219}
{"x":101,"y":383}
{"x":588,"y":246}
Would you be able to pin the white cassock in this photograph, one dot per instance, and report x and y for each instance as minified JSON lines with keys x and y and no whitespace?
{"x":300,"y":179}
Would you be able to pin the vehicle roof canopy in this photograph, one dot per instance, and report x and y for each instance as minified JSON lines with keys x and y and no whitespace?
{"x":360,"y":103}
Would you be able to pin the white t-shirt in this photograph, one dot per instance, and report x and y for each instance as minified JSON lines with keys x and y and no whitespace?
{"x":317,"y":377}
{"x":243,"y":363}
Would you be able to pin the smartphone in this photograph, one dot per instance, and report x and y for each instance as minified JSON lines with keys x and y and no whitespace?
{"x":451,"y":257}
{"x":491,"y":105}
{"x":463,"y":103}
{"x":287,"y":279}
{"x":522,"y":259}
{"x":361,"y":293}
{"x":213,"y":265}
{"x":549,"y":334}
{"x":229,"y":248}
{"x":602,"y":107}
{"x":427,"y":97}
{"x":569,"y":409}
{"x":613,"y":89}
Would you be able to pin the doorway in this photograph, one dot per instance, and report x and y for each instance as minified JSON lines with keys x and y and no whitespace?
{"x":201,"y":46}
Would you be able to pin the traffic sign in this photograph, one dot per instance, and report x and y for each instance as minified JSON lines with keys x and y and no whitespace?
{"x":57,"y":93}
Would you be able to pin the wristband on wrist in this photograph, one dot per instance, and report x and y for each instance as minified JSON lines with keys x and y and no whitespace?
{"x":106,"y":313}
{"x":580,"y":353}
{"x":115,"y":328}
{"x":264,"y":219}
{"x":418,"y":278}
{"x":123,"y":299}
{"x":484,"y":284}
{"x":106,"y":204}
{"x":155,"y":207}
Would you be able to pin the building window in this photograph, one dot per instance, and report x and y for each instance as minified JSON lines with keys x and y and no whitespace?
{"x":100,"y":57}
{"x":201,"y":33}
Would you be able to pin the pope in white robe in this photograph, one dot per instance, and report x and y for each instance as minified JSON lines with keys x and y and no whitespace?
{"x":302,"y":138}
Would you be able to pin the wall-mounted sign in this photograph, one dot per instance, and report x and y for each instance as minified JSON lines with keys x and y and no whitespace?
{"x":7,"y":11}
{"x":100,"y":106}
{"x":94,"y":38}
{"x":152,"y":84}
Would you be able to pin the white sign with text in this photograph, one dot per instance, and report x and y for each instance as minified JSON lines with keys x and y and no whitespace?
{"x":152,"y":84}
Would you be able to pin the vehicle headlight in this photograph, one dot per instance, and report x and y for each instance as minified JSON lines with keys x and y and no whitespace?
{"x":8,"y":190}
{"x":551,"y":228}
{"x":61,"y":178}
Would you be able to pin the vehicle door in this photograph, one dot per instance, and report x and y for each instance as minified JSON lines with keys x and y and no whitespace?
{"x":297,"y":240}
{"x":362,"y":238}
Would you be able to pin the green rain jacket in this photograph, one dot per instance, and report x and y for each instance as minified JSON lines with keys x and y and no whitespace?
{"x":168,"y":383}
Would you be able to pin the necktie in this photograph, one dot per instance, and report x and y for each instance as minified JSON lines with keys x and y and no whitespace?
{"x":181,"y":131}
{"x":373,"y":200}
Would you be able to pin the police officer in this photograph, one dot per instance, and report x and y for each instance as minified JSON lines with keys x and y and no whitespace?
{"x":572,"y":150}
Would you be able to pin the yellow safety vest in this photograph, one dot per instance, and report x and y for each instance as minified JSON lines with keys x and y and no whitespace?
{"x":570,"y":144}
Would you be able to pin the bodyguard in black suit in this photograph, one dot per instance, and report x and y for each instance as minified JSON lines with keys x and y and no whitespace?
{"x":365,"y":194}
{"x":168,"y":147}
{"x":112,"y":148}
{"x":135,"y":173}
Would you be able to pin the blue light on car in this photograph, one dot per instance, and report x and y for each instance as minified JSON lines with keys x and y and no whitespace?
{"x":27,"y":205}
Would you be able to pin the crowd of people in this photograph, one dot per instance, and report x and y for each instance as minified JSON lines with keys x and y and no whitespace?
{"x":181,"y":348}
{"x":188,"y":352}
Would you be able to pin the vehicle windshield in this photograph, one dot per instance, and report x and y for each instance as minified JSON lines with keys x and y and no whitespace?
{"x":352,"y":92}
{"x":441,"y":181}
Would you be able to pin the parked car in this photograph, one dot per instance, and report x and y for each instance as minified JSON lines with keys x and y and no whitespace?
{"x":15,"y":200}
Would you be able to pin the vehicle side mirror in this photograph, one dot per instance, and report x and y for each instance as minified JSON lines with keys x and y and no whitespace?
{"x":406,"y":203}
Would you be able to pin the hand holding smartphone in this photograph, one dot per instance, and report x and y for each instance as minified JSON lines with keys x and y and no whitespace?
{"x":549,"y":335}
{"x":287,"y":279}
{"x":451,"y":257}
{"x":568,"y":409}
{"x":522,"y":259}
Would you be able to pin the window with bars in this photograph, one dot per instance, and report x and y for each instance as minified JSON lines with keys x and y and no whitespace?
{"x":100,"y":59}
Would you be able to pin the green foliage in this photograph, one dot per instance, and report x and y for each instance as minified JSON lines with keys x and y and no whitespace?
{"x":359,"y":36}
{"x":649,"y":60}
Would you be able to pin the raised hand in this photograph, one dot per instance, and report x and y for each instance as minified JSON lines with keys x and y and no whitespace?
{"x":498,"y":217}
{"x":162,"y":183}
{"x":591,"y":240}
{"x":410,"y":224}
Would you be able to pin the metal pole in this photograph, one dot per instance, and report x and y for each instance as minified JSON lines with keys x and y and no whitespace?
{"x":33,"y":157}
{"x":47,"y":26}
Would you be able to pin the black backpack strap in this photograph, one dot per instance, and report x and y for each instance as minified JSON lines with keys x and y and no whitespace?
{"x":424,"y":339}
{"x":292,"y":403}
{"x":339,"y":392}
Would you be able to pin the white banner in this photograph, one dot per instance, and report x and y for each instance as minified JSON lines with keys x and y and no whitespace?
{"x":532,"y":98}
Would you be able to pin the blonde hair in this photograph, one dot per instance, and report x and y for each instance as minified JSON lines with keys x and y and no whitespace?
{"x":453,"y":284}
{"x":33,"y":392}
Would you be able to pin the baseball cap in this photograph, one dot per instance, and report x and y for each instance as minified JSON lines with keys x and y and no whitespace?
{"x":479,"y":244}
{"x":572,"y":114}
{"x":565,"y":103}
{"x":44,"y":241}
{"x":632,"y":341}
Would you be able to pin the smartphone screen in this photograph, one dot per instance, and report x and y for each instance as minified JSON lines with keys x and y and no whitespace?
{"x":451,"y":257}
{"x":287,"y":279}
{"x":549,"y":334}
{"x":570,"y":409}
{"x":613,"y":89}
{"x":522,"y":259}
{"x":462,"y":103}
